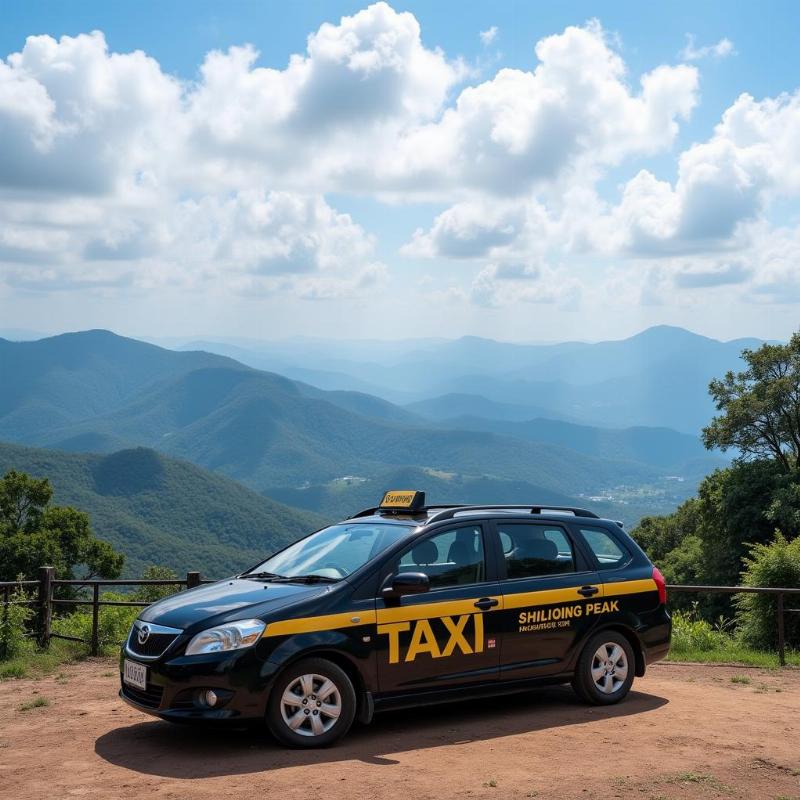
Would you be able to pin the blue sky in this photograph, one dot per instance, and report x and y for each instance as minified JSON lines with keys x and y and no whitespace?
{"x":406,"y":175}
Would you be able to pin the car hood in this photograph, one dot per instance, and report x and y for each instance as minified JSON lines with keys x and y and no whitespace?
{"x":227,"y":600}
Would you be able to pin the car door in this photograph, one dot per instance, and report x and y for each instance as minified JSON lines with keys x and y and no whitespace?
{"x":550,"y":593}
{"x":447,"y":636}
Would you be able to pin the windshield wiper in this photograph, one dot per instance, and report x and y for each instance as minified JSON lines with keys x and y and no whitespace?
{"x":305,"y":579}
{"x":262,"y":575}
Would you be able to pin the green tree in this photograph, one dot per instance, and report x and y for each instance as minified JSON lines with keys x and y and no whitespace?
{"x":707,"y":538}
{"x":34,"y":533}
{"x":149,"y":594}
{"x":760,"y":406}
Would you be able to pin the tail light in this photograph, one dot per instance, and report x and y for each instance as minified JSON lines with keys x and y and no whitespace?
{"x":661,"y":585}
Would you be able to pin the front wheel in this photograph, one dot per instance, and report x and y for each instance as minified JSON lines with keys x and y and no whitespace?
{"x":604,"y":672}
{"x":312,"y":704}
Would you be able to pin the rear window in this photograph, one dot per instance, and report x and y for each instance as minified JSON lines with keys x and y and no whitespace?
{"x":608,"y":551}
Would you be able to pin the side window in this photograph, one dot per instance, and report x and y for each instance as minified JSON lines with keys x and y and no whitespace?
{"x":451,"y":558}
{"x":604,"y":546}
{"x":534,"y":550}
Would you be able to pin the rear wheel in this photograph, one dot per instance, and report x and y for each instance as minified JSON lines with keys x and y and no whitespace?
{"x":312,"y":704}
{"x":604,"y":672}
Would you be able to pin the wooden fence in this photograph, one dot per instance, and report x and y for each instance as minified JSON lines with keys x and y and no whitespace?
{"x":45,"y":601}
{"x":45,"y":587}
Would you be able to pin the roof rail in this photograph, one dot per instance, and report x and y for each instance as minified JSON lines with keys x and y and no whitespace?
{"x":451,"y":511}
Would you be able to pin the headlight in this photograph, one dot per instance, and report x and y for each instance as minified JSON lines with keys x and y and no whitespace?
{"x":233,"y":636}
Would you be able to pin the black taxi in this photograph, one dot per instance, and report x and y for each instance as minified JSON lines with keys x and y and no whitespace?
{"x":400,"y":605}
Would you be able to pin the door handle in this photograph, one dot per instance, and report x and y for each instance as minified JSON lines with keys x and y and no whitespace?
{"x":486,"y":602}
{"x":588,"y":591}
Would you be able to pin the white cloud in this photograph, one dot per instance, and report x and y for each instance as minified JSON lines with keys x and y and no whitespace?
{"x":525,"y":130}
{"x":724,"y":185}
{"x":471,"y":229}
{"x":115,"y":174}
{"x":489,"y":35}
{"x":691,"y":52}
{"x":509,"y":283}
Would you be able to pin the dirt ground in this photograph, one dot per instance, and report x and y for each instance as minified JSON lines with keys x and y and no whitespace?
{"x":685,"y":732}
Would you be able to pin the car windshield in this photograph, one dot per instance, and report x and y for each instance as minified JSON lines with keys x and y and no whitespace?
{"x":332,"y":553}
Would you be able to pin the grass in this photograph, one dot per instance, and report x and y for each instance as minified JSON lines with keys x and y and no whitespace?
{"x":39,"y":663}
{"x":740,"y":679}
{"x":733,"y":653}
{"x":36,"y":702}
{"x":700,"y":778}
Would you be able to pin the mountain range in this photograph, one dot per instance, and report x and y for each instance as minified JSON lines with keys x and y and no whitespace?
{"x":658,"y":377}
{"x":332,"y":449}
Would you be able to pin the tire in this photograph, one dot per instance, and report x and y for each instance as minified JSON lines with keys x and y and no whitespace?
{"x":604,"y":672}
{"x":295,"y":697}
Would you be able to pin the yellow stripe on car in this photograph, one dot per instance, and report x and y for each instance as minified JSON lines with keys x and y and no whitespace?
{"x":451,"y":608}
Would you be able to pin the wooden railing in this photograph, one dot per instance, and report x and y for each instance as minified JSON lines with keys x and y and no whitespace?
{"x":46,"y":600}
{"x":780,"y":611}
{"x":47,"y":584}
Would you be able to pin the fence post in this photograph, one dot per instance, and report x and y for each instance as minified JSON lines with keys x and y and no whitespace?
{"x":6,"y":601}
{"x":781,"y":634}
{"x":45,"y":605}
{"x":192,"y":579}
{"x":95,"y":644}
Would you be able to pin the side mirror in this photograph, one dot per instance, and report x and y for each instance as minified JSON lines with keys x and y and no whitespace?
{"x":406,"y":583}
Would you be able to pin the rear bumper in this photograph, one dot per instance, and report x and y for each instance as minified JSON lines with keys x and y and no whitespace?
{"x":657,"y":638}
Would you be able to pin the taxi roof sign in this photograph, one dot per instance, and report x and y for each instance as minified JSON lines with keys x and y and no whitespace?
{"x":402,"y":500}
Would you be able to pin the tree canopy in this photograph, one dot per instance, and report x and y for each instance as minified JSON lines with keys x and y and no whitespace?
{"x":34,"y":533}
{"x":760,"y":406}
{"x":710,"y":539}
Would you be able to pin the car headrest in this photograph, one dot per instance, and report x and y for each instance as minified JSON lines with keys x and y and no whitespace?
{"x":542,"y":549}
{"x":425,"y":553}
{"x":461,"y":553}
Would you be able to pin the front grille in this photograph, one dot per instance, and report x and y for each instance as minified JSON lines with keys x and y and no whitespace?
{"x":149,"y":697}
{"x":155,"y":645}
{"x":159,"y":638}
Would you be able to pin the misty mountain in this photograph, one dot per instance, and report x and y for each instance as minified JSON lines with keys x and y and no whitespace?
{"x":657,"y":378}
{"x":661,"y":447}
{"x":98,"y":390}
{"x":453,"y":406}
{"x":165,"y":511}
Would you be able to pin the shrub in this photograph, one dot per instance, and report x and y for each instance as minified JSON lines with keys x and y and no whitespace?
{"x":690,"y":633}
{"x":14,"y":619}
{"x":114,"y":622}
{"x":775,"y":565}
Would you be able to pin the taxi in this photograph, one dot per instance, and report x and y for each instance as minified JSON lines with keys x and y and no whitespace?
{"x":404,"y":604}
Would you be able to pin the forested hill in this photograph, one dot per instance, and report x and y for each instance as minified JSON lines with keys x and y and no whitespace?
{"x":162,"y":510}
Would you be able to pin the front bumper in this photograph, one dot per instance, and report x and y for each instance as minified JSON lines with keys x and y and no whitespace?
{"x":240,"y":679}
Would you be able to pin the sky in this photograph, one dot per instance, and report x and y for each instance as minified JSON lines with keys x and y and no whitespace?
{"x":520,"y":171}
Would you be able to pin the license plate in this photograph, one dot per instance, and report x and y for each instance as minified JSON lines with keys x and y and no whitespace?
{"x":135,"y":674}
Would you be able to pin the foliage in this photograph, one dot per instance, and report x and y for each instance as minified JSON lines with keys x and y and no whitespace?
{"x":761,"y":406}
{"x":707,"y":538}
{"x":150,"y":594}
{"x":34,"y":533}
{"x":114,"y":622}
{"x":777,"y":565}
{"x":690,"y":633}
{"x":14,"y":619}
